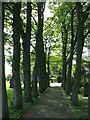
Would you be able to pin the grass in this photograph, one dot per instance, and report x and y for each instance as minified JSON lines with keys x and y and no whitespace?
{"x":14,"y":114}
{"x":80,"y":111}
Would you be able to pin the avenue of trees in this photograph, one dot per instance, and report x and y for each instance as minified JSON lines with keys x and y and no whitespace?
{"x":43,"y":49}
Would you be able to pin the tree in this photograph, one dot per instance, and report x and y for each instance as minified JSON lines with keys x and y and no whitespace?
{"x":26,"y":59}
{"x":26,"y":55}
{"x":17,"y":92}
{"x":89,"y":93}
{"x":64,"y":41}
{"x":48,"y":68}
{"x":81,"y":17}
{"x":62,"y":19}
{"x":39,"y":67}
{"x":8,"y":38}
{"x":73,"y":42}
{"x":40,"y":44}
{"x":5,"y":111}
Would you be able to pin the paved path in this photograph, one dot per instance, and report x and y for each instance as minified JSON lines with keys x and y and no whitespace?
{"x":52,"y":104}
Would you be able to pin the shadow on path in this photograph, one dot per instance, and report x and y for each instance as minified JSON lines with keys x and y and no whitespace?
{"x":52,"y":104}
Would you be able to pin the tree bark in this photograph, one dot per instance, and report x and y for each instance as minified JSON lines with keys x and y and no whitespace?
{"x":68,"y":83}
{"x":17,"y":92}
{"x":46,"y":79}
{"x":40,"y":50}
{"x":36,"y":67}
{"x":48,"y":68}
{"x":34,"y":79}
{"x":5,"y":111}
{"x":64,"y":58}
{"x":47,"y":62}
{"x":80,"y":44}
{"x":26,"y":56}
{"x":89,"y":94}
{"x":39,"y":68}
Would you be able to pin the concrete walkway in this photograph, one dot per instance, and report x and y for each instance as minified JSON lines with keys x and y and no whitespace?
{"x":52,"y":104}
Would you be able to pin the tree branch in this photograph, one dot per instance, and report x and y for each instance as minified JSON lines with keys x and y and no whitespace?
{"x":33,"y":46}
{"x":35,"y":21}
{"x":47,"y":26}
{"x":32,"y":53}
{"x":33,"y":27}
{"x":86,"y":34}
{"x":88,"y":9}
{"x":8,"y":8}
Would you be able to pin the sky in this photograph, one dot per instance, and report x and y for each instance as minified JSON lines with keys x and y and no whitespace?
{"x":47,"y":11}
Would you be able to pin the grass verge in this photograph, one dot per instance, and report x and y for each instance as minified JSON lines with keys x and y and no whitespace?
{"x":80,"y":111}
{"x":16,"y":113}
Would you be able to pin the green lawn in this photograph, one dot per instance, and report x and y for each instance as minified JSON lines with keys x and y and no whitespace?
{"x":80,"y":111}
{"x":12,"y":112}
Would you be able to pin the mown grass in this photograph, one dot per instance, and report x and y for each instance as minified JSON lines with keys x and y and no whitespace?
{"x":16,"y":113}
{"x":80,"y":111}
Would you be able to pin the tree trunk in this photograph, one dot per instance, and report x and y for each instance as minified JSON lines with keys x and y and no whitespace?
{"x":11,"y":83}
{"x":46,"y":62}
{"x":26,"y":57}
{"x":34,"y":79}
{"x":68,"y":83}
{"x":17,"y":92}
{"x":40,"y":64}
{"x":80,"y":44}
{"x":40,"y":44}
{"x":89,"y":93}
{"x":5,"y":111}
{"x":35,"y":70}
{"x":64,"y":72}
{"x":64,"y":61}
{"x":46,"y":80}
{"x":48,"y":68}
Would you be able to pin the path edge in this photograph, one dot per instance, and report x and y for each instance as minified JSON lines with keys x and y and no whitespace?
{"x":68,"y":103}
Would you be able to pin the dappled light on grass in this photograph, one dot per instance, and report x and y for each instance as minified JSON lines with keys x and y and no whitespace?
{"x":16,"y":113}
{"x":80,"y":111}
